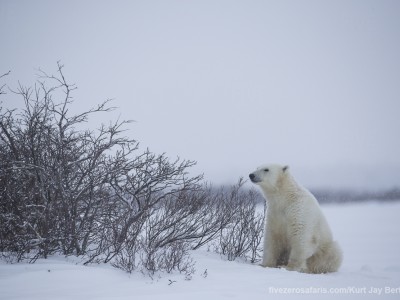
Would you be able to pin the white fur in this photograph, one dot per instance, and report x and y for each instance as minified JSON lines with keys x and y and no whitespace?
{"x":296,"y":235}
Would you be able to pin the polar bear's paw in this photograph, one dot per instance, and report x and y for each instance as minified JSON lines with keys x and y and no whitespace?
{"x":295,"y":266}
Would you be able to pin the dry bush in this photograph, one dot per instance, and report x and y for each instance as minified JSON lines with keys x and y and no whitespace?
{"x":93,"y":194}
{"x":242,"y":236}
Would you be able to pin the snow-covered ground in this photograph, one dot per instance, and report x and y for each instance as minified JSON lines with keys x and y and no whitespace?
{"x":369,"y":234}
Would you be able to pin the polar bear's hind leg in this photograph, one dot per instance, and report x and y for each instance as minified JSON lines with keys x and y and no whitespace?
{"x":327,"y":259}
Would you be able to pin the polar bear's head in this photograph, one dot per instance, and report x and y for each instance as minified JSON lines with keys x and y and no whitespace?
{"x":268,"y":176}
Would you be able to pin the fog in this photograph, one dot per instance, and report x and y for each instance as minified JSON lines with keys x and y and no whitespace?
{"x":229,"y":84}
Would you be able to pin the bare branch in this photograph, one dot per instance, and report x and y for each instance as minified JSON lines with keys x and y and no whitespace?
{"x":4,"y":85}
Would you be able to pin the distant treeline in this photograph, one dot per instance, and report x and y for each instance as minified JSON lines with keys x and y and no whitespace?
{"x":343,"y":196}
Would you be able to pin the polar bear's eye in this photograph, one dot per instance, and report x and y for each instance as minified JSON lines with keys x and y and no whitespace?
{"x":266,"y":170}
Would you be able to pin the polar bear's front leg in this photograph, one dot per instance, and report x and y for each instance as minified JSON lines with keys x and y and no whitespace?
{"x":271,"y":251}
{"x":269,"y":257}
{"x":298,"y":255}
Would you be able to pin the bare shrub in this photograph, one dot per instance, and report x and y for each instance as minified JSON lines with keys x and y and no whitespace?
{"x":93,"y":194}
{"x":170,"y":257}
{"x":242,"y":236}
{"x":128,"y":258}
{"x":55,"y":179}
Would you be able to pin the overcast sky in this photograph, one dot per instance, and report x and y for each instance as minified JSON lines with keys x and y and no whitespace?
{"x":230,"y":84}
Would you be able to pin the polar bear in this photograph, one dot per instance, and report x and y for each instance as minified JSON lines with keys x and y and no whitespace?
{"x":296,"y":234}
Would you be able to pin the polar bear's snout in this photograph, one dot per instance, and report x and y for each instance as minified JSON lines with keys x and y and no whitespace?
{"x":253,"y":178}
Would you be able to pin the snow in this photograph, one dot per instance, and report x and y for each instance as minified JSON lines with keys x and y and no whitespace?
{"x":369,"y":234}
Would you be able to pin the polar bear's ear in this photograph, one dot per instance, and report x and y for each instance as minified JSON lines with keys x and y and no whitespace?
{"x":285,"y":168}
